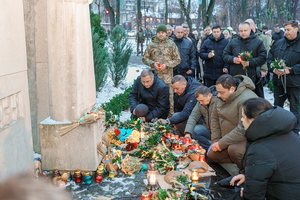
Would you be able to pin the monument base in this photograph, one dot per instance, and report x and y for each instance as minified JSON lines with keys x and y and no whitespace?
{"x":75,"y":150}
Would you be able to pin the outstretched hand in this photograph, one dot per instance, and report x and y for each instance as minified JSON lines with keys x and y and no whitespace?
{"x":240,"y":178}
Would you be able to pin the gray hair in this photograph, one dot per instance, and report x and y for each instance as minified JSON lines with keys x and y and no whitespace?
{"x":168,"y":25}
{"x":178,"y":78}
{"x":147,"y":72}
{"x":244,"y":23}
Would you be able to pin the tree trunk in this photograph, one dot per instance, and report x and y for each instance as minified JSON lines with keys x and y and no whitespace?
{"x":118,"y":12}
{"x":206,"y":14}
{"x":295,"y":9}
{"x":186,"y":12}
{"x":199,"y":19}
{"x":111,"y":13}
{"x":166,"y":13}
{"x":139,"y":14}
{"x":244,"y":10}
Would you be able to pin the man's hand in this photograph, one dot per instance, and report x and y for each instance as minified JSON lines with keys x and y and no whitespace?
{"x":210,"y":55}
{"x":245,"y":64}
{"x":287,"y":70}
{"x":156,"y":65}
{"x":133,"y":112}
{"x":163,"y":67}
{"x":279,"y":73}
{"x":143,"y":119}
{"x":215,"y":147}
{"x":240,"y":178}
{"x":236,"y":60}
{"x":225,"y":70}
{"x":162,"y":121}
{"x":189,"y":71}
{"x":263,"y":74}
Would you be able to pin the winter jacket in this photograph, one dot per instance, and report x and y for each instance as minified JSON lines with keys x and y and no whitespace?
{"x":239,"y":45}
{"x":201,"y":111}
{"x":226,"y":125}
{"x":266,"y":43}
{"x":213,"y":67}
{"x":272,"y":158}
{"x":156,"y":98}
{"x":187,"y":55}
{"x":288,"y":50}
{"x":163,"y":52}
{"x":277,"y":36}
{"x":186,"y":102}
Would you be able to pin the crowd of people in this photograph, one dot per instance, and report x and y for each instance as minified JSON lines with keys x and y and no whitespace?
{"x":228,"y":115}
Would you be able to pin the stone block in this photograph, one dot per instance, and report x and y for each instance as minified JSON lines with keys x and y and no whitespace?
{"x":75,"y":150}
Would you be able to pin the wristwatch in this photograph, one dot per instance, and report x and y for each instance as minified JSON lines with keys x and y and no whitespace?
{"x":167,"y":121}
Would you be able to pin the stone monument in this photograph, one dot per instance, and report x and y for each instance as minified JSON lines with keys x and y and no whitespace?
{"x":71,"y":88}
{"x":16,"y":152}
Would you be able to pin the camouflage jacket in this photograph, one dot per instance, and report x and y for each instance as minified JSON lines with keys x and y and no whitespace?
{"x":163,"y":52}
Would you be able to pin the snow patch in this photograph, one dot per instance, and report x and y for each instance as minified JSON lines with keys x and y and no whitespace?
{"x":49,"y":121}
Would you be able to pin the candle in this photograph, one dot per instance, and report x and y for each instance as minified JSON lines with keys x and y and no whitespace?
{"x":195,"y":175}
{"x":111,"y":174}
{"x":152,"y":180}
{"x":145,"y":196}
{"x":78,"y":176}
{"x":99,"y":176}
{"x":202,"y":158}
{"x":87,"y":178}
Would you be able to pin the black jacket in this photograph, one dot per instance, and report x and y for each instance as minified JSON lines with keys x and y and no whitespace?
{"x":239,"y":45}
{"x":277,"y":36}
{"x":186,"y":102}
{"x":156,"y":98}
{"x":213,"y":67}
{"x":187,"y":55}
{"x":272,"y":157}
{"x":288,"y":50}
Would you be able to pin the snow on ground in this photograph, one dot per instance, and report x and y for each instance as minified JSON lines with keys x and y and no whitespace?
{"x":269,"y":95}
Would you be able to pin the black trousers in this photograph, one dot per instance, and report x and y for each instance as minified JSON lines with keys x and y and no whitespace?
{"x":259,"y":89}
{"x":209,"y":82}
{"x":293,"y":94}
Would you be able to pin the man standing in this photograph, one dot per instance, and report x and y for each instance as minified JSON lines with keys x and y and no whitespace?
{"x":279,"y":34}
{"x":264,"y":29}
{"x":287,"y":84}
{"x":162,"y":55}
{"x":246,"y":42}
{"x":150,"y":90}
{"x":140,"y":38}
{"x":187,"y":54}
{"x":259,"y":90}
{"x":204,"y":108}
{"x":228,"y":134}
{"x":169,"y":31}
{"x":207,"y":32}
{"x":184,"y":101}
{"x":211,"y":51}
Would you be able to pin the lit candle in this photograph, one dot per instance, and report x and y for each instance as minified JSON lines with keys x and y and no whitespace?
{"x":111,"y":174}
{"x":195,"y":175}
{"x":152,"y":180}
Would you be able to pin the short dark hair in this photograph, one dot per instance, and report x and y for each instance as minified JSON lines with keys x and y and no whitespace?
{"x":293,"y":23}
{"x":277,"y":25}
{"x":208,"y":26}
{"x":265,"y":27}
{"x":147,"y":72}
{"x":254,"y":107}
{"x":216,"y":27}
{"x":178,"y":78}
{"x":227,"y":81}
{"x":203,"y":90}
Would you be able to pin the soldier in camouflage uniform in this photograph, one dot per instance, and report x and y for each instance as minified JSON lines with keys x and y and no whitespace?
{"x":162,"y":55}
{"x":140,"y":39}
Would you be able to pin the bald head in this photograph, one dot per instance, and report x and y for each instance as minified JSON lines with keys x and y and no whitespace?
{"x":179,"y":32}
{"x":252,"y":24}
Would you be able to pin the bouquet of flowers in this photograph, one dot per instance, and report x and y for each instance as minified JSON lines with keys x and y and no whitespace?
{"x":245,"y":56}
{"x":278,"y":64}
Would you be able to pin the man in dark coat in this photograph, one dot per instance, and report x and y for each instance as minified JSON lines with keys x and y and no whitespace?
{"x":211,"y":51}
{"x":288,"y":49}
{"x":150,"y":90}
{"x":187,"y":54}
{"x":246,"y":42}
{"x":184,"y":101}
{"x":279,"y":34}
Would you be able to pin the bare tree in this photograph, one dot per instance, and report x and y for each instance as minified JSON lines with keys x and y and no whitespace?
{"x":166,"y":12}
{"x":186,"y":12}
{"x":206,"y":13}
{"x":139,"y":14}
{"x":111,"y":13}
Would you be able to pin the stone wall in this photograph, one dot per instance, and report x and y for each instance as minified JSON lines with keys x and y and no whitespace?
{"x":16,"y":152}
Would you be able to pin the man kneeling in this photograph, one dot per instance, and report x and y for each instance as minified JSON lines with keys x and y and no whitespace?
{"x":228,"y":134}
{"x":150,"y":90}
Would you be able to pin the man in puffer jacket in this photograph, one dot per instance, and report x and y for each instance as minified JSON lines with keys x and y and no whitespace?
{"x":211,"y":51}
{"x":187,"y":51}
{"x":246,"y":41}
{"x":227,"y":131}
